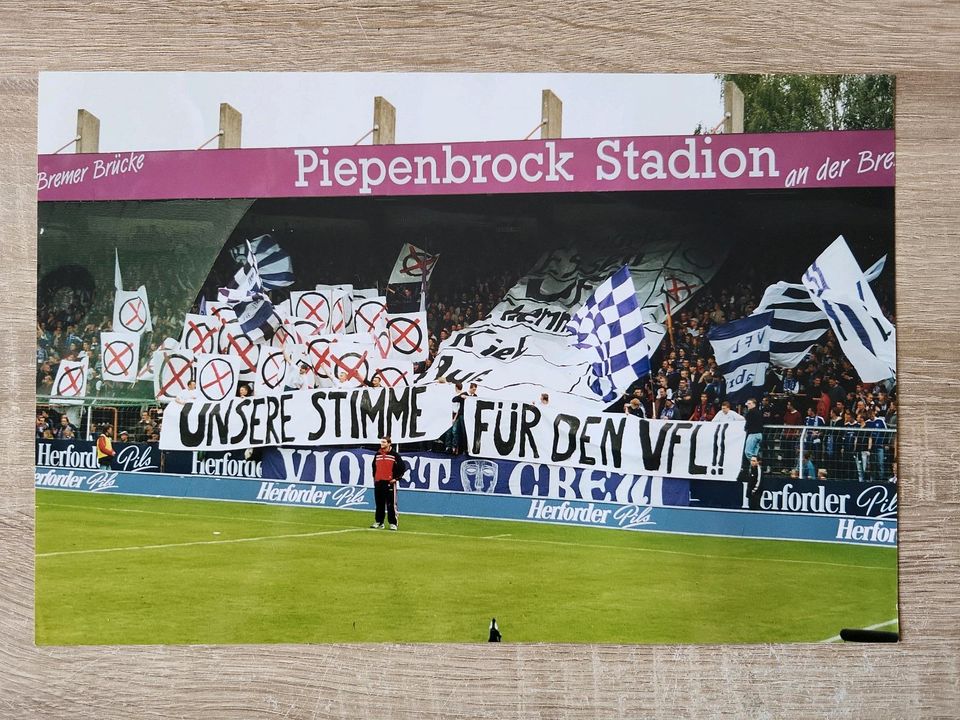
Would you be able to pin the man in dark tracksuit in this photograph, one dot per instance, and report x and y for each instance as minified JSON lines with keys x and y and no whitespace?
{"x":388,"y":467}
{"x":754,"y":478}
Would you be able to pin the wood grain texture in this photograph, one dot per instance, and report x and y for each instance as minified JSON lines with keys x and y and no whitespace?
{"x":918,"y":678}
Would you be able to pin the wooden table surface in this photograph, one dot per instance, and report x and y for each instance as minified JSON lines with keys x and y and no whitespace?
{"x":919,"y":41}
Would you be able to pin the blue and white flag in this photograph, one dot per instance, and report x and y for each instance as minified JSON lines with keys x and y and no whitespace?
{"x":798,"y":321}
{"x":257,"y":319}
{"x":742,"y":349}
{"x":610,"y":325}
{"x":839,"y":287}
{"x":246,"y":294}
{"x":246,"y":284}
{"x":873,"y":272}
{"x":797,"y":324}
{"x":276,"y":268}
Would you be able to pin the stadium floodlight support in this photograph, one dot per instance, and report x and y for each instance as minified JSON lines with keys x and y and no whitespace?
{"x":231,"y":124}
{"x":88,"y":132}
{"x":732,"y":108}
{"x":552,"y":113}
{"x":384,"y":122}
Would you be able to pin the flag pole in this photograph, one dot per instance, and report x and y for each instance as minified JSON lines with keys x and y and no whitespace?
{"x":669,"y":316}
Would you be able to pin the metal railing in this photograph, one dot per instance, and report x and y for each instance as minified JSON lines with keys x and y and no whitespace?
{"x":88,"y":414}
{"x":830,"y":453}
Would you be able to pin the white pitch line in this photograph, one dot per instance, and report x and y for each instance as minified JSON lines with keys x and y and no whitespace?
{"x":836,"y":638}
{"x":185,"y":516}
{"x":508,"y":538}
{"x":196,"y":542}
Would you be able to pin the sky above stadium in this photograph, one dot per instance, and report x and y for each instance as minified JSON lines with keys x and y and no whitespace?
{"x":180,"y":111}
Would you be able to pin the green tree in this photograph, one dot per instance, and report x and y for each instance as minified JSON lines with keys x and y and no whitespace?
{"x":792,"y":103}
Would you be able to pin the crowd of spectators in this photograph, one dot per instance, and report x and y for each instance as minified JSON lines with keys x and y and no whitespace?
{"x":70,"y":320}
{"x":824,"y":390}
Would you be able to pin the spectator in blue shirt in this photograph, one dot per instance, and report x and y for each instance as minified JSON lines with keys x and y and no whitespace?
{"x":814,"y":439}
{"x":791,"y":386}
{"x":877,"y":446}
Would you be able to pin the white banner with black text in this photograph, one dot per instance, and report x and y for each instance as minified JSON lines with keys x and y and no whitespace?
{"x":309,"y":418}
{"x":603,"y":441}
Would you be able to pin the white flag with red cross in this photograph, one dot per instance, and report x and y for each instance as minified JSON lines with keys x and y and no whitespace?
{"x":233,"y":341}
{"x":409,"y":338}
{"x":131,"y":311}
{"x":392,"y":373}
{"x":370,"y":314}
{"x":120,"y":354}
{"x":340,"y":360}
{"x":273,"y":368}
{"x":413,"y":265}
{"x":224,"y":312}
{"x":173,"y":371}
{"x":312,"y":305}
{"x":70,"y":385}
{"x":201,"y":333}
{"x":341,"y":307}
{"x":217,"y":376}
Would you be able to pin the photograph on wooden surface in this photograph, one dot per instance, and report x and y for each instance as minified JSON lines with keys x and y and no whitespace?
{"x":366,"y":358}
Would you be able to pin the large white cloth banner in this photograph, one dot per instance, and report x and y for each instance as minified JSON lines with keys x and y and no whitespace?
{"x":664,"y":272}
{"x":309,"y":418}
{"x":604,"y":441}
{"x":516,"y":360}
{"x":70,"y":384}
{"x":839,"y":287}
{"x":131,"y":311}
{"x":121,"y":356}
{"x":522,"y":346}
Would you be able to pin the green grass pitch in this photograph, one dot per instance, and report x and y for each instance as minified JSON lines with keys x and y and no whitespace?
{"x":112,"y":569}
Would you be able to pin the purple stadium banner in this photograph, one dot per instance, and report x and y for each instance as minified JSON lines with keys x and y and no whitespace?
{"x":701,"y":162}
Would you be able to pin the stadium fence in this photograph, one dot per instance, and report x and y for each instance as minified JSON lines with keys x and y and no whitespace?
{"x":88,"y":415}
{"x":836,"y":453}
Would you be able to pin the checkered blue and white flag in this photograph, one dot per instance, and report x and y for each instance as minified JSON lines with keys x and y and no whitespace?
{"x":610,"y":326}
